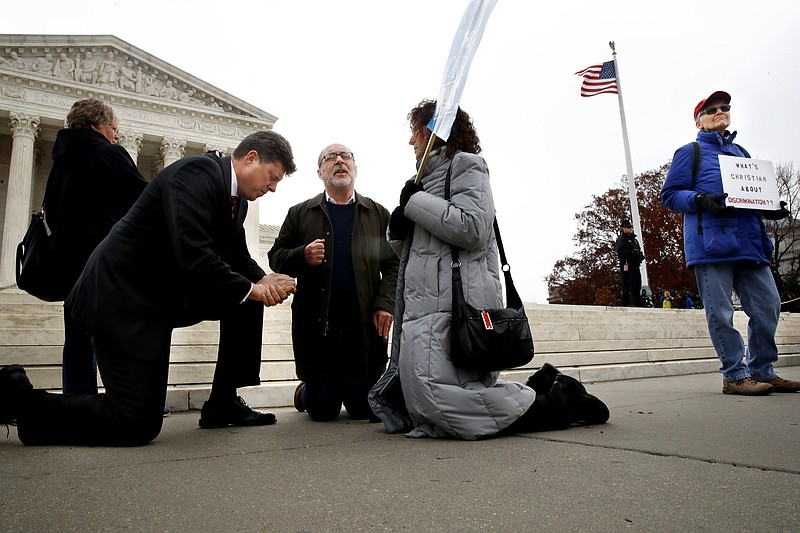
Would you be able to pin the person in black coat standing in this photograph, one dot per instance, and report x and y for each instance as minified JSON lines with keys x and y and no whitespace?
{"x":92,"y":184}
{"x":630,"y":257}
{"x":177,"y":258}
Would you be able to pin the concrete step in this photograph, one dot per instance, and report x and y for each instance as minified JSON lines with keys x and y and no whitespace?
{"x":591,"y":342}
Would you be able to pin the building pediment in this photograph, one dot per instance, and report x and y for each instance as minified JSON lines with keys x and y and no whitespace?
{"x":107,"y":67}
{"x":162,"y":112}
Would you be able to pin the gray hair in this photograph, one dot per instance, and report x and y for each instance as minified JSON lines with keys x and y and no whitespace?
{"x":90,"y":112}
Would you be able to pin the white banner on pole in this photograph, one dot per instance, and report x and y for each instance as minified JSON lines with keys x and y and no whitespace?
{"x":465,"y":43}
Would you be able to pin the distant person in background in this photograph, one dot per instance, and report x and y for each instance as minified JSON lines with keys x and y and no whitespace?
{"x":666,"y":301}
{"x":629,"y":252}
{"x":645,"y":299}
{"x":680,"y":301}
{"x":729,"y":250}
{"x":92,"y":184}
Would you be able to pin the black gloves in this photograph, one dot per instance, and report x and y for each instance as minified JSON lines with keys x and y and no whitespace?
{"x":400,"y":226}
{"x":777,"y":215}
{"x":409,"y":189}
{"x":711,"y":202}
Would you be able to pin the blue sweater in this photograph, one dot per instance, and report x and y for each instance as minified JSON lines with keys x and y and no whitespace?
{"x":716,"y":239}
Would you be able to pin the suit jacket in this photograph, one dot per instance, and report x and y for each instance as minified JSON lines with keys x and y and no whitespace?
{"x":91,"y":185}
{"x":176,"y":258}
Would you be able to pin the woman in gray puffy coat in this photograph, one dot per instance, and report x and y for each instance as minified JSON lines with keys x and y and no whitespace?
{"x":422,"y":392}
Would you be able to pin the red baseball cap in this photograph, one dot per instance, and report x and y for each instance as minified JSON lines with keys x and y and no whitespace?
{"x":716,"y":96}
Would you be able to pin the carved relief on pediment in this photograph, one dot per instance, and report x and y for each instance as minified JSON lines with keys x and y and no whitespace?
{"x":12,"y":91}
{"x":110,"y":69}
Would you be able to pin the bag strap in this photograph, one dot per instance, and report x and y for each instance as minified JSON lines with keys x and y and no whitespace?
{"x":512,"y":296}
{"x":695,"y":160}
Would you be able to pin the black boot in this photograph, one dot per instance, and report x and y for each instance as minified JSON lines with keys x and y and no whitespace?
{"x":15,"y":389}
{"x":542,"y":380}
{"x":581,"y":407}
{"x":570,"y":382}
{"x":546,"y":414}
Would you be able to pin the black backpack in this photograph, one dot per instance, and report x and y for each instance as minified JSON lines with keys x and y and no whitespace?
{"x":697,"y":153}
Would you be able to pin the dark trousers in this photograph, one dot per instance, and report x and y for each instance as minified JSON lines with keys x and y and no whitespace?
{"x":631,"y":285}
{"x":342,"y":380}
{"x":130,"y":412}
{"x":78,"y":364}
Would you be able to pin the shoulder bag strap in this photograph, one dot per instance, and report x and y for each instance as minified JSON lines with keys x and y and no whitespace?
{"x":512,"y":296}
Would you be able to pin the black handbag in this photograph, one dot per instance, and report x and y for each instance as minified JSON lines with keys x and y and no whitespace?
{"x":488,"y":340}
{"x":36,"y":270}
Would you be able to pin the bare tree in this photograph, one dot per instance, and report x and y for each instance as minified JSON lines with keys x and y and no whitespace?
{"x":786,"y":233}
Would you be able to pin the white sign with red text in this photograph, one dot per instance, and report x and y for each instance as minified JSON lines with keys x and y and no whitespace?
{"x":750,"y":183}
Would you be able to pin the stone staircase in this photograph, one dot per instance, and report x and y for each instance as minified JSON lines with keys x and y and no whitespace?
{"x":591,"y":343}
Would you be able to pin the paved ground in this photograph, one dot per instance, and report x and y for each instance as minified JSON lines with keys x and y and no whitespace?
{"x":677,"y":455}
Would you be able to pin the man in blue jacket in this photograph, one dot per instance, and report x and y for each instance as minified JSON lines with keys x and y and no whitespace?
{"x":729,"y":250}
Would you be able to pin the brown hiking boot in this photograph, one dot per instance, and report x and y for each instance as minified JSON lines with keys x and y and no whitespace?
{"x":747,"y":387}
{"x":783,"y":385}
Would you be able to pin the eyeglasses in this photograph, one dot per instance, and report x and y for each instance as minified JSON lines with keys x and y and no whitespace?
{"x":346,"y":156}
{"x":713,"y":110}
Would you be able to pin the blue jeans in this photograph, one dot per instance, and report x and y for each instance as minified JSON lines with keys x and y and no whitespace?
{"x":756,"y":289}
{"x":78,"y":365}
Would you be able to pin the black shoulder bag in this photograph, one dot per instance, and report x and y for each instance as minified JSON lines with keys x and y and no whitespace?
{"x":488,"y":340}
{"x":36,"y":266}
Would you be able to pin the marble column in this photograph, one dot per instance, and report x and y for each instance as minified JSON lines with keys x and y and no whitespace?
{"x":24,"y":129}
{"x":221,"y":150}
{"x":132,"y":142}
{"x":158,"y":164}
{"x":172,"y":149}
{"x":251,"y":232}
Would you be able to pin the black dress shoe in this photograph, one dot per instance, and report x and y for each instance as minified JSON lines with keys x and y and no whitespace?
{"x":234,"y":412}
{"x":542,"y":380}
{"x":15,"y":388}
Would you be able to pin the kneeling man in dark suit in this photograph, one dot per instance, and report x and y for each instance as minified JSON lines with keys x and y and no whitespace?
{"x":177,"y":258}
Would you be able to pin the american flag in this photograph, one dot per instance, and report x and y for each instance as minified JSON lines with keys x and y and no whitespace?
{"x":598,"y":79}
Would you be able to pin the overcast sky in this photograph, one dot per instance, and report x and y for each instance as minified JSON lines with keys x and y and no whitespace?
{"x":349,"y":71}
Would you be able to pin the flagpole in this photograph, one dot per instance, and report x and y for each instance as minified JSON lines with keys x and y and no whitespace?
{"x":637,"y":227}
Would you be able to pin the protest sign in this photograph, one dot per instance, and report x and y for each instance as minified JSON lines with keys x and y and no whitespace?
{"x":750,"y":183}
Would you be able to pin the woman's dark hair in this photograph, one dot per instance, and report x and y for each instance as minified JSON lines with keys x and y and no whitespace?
{"x":89,"y":112}
{"x":463,"y":136}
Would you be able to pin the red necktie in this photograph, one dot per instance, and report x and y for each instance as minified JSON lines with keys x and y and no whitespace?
{"x":234,"y":206}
